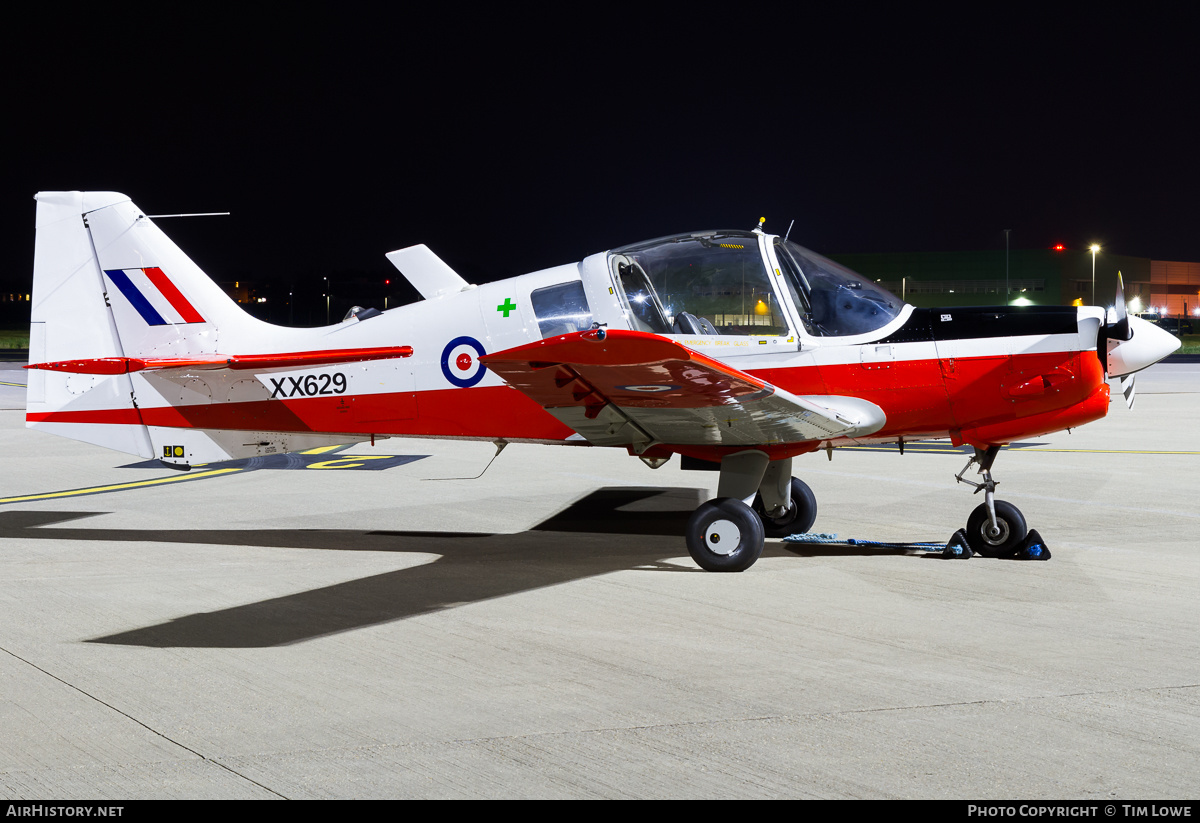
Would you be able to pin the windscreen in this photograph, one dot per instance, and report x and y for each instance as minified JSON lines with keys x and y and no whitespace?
{"x":833,"y":301}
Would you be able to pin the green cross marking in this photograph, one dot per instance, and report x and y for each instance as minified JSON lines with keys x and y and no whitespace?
{"x":507,"y":306}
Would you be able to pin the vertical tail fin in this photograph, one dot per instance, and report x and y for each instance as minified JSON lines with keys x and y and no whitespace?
{"x":108,"y":283}
{"x":71,"y":319}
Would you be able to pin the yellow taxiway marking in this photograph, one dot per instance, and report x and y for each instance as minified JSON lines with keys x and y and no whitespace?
{"x":18,"y":385}
{"x":911,"y":448}
{"x":194,"y":475}
{"x":317,"y":450}
{"x":1106,"y":451}
{"x":352,"y":461}
{"x":892,"y":447}
{"x":117,"y":486}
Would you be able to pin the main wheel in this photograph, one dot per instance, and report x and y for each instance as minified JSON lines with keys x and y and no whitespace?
{"x":1007,"y":541}
{"x":724,"y":535}
{"x":796,"y":520}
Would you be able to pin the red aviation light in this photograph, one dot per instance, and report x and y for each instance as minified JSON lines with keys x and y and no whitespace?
{"x":1059,"y":247}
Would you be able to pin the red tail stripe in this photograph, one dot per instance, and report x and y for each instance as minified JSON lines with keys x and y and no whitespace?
{"x":173,"y":295}
{"x":121,"y":365}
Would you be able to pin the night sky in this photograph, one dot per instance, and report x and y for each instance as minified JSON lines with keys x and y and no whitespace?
{"x":516,"y":140}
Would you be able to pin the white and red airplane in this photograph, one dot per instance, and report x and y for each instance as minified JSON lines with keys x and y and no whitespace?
{"x":739,"y":349}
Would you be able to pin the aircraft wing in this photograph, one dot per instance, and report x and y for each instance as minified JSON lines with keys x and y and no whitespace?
{"x":637,"y":389}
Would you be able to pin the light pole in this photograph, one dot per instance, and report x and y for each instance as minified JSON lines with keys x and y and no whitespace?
{"x":1006,"y":231}
{"x":327,"y":296}
{"x":1094,"y":248}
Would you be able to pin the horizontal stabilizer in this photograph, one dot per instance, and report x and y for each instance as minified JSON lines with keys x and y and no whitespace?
{"x":123,"y":365}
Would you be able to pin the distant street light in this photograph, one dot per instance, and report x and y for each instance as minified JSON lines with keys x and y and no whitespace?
{"x":1094,"y":248}
{"x":1006,"y":232}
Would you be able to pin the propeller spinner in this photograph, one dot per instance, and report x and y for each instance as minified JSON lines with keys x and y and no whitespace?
{"x":1131,"y":344}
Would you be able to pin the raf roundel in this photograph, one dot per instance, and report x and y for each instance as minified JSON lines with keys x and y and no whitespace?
{"x":650,"y":387}
{"x":460,"y":362}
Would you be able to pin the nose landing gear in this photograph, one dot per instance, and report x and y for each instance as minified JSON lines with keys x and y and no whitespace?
{"x":996,"y":528}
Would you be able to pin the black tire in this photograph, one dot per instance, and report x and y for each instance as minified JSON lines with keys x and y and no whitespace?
{"x":1013,"y":530}
{"x":724,"y":535}
{"x":798,"y":519}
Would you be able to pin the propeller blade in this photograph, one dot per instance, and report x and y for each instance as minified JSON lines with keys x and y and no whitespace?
{"x":1119,"y":329}
{"x":1127,"y":389}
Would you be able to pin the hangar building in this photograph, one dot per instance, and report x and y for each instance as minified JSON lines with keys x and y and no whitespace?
{"x":1043,"y":277}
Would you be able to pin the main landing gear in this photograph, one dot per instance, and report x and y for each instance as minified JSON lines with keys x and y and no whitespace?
{"x":756,"y":497}
{"x":996,"y":528}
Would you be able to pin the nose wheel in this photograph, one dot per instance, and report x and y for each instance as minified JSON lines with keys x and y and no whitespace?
{"x":996,"y":528}
{"x":1005,"y":538}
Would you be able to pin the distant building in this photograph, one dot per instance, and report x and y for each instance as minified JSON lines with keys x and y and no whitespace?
{"x":1043,"y":277}
{"x":1175,"y":286}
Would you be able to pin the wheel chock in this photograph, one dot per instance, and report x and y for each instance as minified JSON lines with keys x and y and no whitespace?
{"x":1034,"y":548}
{"x":957,"y":548}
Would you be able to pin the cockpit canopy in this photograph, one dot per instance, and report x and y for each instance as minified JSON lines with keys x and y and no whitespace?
{"x":707,"y":283}
{"x":719,"y":283}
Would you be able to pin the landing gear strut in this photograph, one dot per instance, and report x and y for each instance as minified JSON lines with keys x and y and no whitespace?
{"x":797,"y":518}
{"x":996,"y":528}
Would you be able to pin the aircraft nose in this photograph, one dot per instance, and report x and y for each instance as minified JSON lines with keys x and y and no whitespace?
{"x":1146,"y":345}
